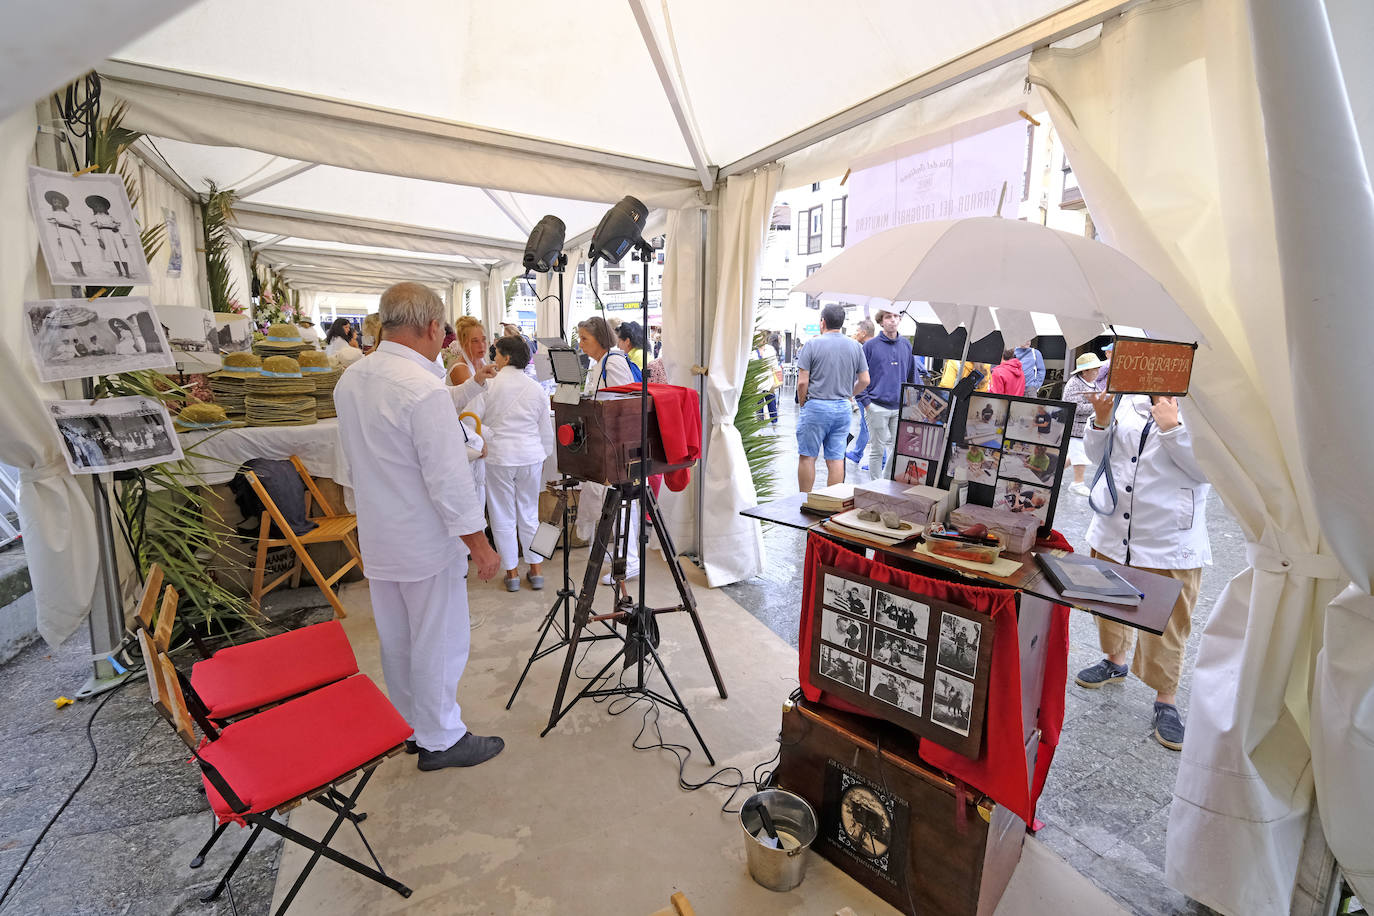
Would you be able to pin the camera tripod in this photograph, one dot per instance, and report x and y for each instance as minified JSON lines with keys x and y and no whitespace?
{"x":641,"y":637}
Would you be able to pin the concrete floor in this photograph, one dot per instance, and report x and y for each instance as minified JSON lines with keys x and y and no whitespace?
{"x":1106,"y":803}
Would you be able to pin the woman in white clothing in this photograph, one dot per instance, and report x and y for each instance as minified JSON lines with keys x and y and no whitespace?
{"x":341,"y":343}
{"x":519,"y":435}
{"x":472,"y":350}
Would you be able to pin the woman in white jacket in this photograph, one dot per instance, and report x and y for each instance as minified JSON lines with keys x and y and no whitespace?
{"x":1159,"y":524}
{"x":518,"y":430}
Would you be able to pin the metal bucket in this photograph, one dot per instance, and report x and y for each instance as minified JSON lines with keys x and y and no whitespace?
{"x":795,"y":821}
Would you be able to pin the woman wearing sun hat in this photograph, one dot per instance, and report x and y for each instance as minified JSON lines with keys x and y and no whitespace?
{"x":1076,"y":391}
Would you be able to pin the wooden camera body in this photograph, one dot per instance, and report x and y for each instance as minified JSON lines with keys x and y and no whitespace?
{"x":598,"y":438}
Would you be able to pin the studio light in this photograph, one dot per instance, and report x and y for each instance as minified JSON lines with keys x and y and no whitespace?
{"x":545,"y":244}
{"x":619,"y":230}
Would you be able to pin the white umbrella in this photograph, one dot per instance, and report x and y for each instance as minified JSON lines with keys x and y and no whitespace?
{"x":965,"y":268}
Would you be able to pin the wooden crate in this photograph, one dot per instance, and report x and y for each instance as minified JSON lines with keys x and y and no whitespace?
{"x":892,"y":823}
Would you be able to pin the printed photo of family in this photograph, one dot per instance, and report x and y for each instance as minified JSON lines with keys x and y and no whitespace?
{"x":843,"y":631}
{"x":76,"y":338}
{"x":843,"y":668}
{"x":87,"y":229}
{"x":902,"y":692}
{"x":902,"y":614}
{"x":847,"y":595}
{"x":899,"y":652}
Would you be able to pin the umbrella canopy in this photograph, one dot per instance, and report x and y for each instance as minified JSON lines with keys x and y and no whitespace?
{"x":967,"y":267}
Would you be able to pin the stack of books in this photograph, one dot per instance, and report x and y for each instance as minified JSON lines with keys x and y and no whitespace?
{"x":838,"y":497}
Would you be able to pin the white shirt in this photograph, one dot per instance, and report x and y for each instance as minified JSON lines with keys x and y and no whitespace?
{"x":311,"y":333}
{"x":343,"y":352}
{"x":405,"y":459}
{"x":516,"y":421}
{"x":617,"y":368}
{"x":1161,"y":512}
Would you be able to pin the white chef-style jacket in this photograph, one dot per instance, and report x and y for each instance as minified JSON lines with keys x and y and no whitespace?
{"x":516,"y":421}
{"x":1160,"y":520}
{"x":406,"y":461}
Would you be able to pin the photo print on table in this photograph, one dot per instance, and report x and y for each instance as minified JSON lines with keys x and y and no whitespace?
{"x":233,"y":333}
{"x":114,"y":434}
{"x":914,"y":471}
{"x":77,"y":338}
{"x":952,"y":702}
{"x":843,"y":668}
{"x":899,"y":652}
{"x":920,"y":440}
{"x":987,"y":420}
{"x":1036,"y":422}
{"x":87,"y":229}
{"x":847,"y":595}
{"x":904,"y":615}
{"x":194,"y":336}
{"x":974,"y":463}
{"x":903,"y":692}
{"x":959,"y":638}
{"x":1015,"y":496}
{"x":844,"y":631}
{"x":1029,"y":462}
{"x":929,"y":405}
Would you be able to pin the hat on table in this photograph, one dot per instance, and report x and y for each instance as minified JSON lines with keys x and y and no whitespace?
{"x":319,"y":368}
{"x":198,"y":416}
{"x":281,"y":375}
{"x":283,"y":339}
{"x":238,"y":365}
{"x":1087,"y":361}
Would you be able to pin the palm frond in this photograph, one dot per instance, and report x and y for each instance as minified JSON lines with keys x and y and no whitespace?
{"x":217,"y":213}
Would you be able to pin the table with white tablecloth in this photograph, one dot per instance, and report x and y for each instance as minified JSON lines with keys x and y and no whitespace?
{"x":219,"y":454}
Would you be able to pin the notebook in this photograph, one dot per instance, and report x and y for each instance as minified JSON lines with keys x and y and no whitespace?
{"x":1087,"y":580}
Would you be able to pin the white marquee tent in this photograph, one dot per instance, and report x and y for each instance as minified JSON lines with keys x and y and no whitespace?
{"x":422,"y":140}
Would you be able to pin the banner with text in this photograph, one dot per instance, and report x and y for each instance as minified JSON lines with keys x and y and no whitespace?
{"x":955,"y":173}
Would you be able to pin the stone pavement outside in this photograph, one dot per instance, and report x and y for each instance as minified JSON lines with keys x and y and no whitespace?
{"x":1106,"y":803}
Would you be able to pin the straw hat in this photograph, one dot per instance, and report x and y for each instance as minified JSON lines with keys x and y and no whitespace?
{"x":280,"y":411}
{"x":1087,"y":361}
{"x":281,"y":338}
{"x":239,"y":365}
{"x":198,"y":416}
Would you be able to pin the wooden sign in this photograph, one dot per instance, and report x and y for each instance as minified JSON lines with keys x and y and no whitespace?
{"x":1157,"y":367}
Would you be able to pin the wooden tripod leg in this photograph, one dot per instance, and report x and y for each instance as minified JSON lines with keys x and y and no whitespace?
{"x":583,"y":611}
{"x":684,"y":588}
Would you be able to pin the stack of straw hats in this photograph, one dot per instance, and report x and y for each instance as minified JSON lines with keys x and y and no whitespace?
{"x":319,"y":368}
{"x":281,"y":340}
{"x":280,"y":396}
{"x":229,"y":384}
{"x":198,"y":416}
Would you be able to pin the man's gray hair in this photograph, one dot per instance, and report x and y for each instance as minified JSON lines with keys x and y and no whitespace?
{"x":866,"y":326}
{"x":410,"y":305}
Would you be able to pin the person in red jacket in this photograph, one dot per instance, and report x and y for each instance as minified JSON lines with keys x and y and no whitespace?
{"x":1007,"y":378}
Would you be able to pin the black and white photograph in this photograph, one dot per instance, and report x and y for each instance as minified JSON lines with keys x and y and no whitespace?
{"x":987,"y":420}
{"x":1030,"y":462}
{"x":952,"y":702}
{"x":902,"y":692}
{"x":914,"y":471}
{"x":1036,"y":422}
{"x":899,"y":652}
{"x":87,"y":229}
{"x":843,"y":668}
{"x":76,"y":338}
{"x":959,"y":638}
{"x":193,"y":335}
{"x":847,"y":595}
{"x":901,"y":614}
{"x":929,"y":405}
{"x":233,"y":333}
{"x":114,"y":434}
{"x":843,"y":631}
{"x":1015,"y":496}
{"x":974,"y":463}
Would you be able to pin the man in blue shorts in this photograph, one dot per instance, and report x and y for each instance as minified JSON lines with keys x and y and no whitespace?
{"x":832,"y":370}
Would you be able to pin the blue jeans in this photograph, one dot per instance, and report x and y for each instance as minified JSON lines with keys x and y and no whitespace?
{"x":823,"y":426}
{"x":856,"y":453}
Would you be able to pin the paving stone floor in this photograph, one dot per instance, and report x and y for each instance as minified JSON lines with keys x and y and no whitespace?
{"x":1106,"y":803}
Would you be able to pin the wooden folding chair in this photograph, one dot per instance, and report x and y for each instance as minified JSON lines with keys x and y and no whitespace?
{"x":331,"y":527}
{"x":304,"y":749}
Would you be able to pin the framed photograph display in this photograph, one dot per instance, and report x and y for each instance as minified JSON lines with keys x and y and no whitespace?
{"x":920,"y":443}
{"x":76,"y":338}
{"x":1011,"y":451}
{"x":87,"y":229}
{"x":114,"y":434}
{"x":913,"y":660}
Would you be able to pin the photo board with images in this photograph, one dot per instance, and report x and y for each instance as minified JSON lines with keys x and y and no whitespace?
{"x":79,"y":338}
{"x":916,"y":661}
{"x":1011,"y":451}
{"x":87,"y":229}
{"x":920,"y":443}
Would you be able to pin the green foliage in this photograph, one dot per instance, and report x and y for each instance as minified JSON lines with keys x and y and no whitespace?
{"x":216,"y":213}
{"x":760,"y":445}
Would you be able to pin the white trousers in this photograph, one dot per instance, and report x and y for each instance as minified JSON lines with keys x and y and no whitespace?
{"x":513,"y":507}
{"x":589,"y":505}
{"x":425,"y":634}
{"x":882,"y":436}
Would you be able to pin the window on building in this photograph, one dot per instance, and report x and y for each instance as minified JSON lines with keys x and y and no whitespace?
{"x":614,"y":281}
{"x":815,"y":186}
{"x":809,"y":230}
{"x":812,"y":302}
{"x":838,"y":209}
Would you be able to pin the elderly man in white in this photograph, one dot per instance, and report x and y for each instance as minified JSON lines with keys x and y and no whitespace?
{"x":418,"y":519}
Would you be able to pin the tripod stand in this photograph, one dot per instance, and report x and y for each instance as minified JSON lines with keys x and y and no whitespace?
{"x":565,"y":597}
{"x":638,"y":647}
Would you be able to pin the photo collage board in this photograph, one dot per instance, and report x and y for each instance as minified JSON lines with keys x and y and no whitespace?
{"x":920,"y":444}
{"x":913,"y":660}
{"x":1011,"y":451}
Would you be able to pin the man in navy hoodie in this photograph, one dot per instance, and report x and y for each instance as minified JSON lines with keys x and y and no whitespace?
{"x":890,"y":365}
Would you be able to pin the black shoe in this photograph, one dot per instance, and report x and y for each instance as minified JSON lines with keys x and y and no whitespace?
{"x":1168,"y":726}
{"x":1104,"y":672}
{"x":469,"y":751}
{"x":411,"y":746}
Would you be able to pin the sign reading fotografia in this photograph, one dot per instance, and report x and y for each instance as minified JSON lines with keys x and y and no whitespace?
{"x":76,"y":338}
{"x":914,"y":660}
{"x":114,"y":434}
{"x":1158,"y":367}
{"x":87,"y":229}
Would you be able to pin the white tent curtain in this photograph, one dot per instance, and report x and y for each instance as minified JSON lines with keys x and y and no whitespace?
{"x":1161,"y":120}
{"x":731,"y":545}
{"x":158,"y":196}
{"x":240,"y":279}
{"x":1325,"y":239}
{"x":54,"y":514}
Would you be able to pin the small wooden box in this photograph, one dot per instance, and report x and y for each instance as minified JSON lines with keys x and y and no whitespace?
{"x":891,"y":822}
{"x":607,"y":438}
